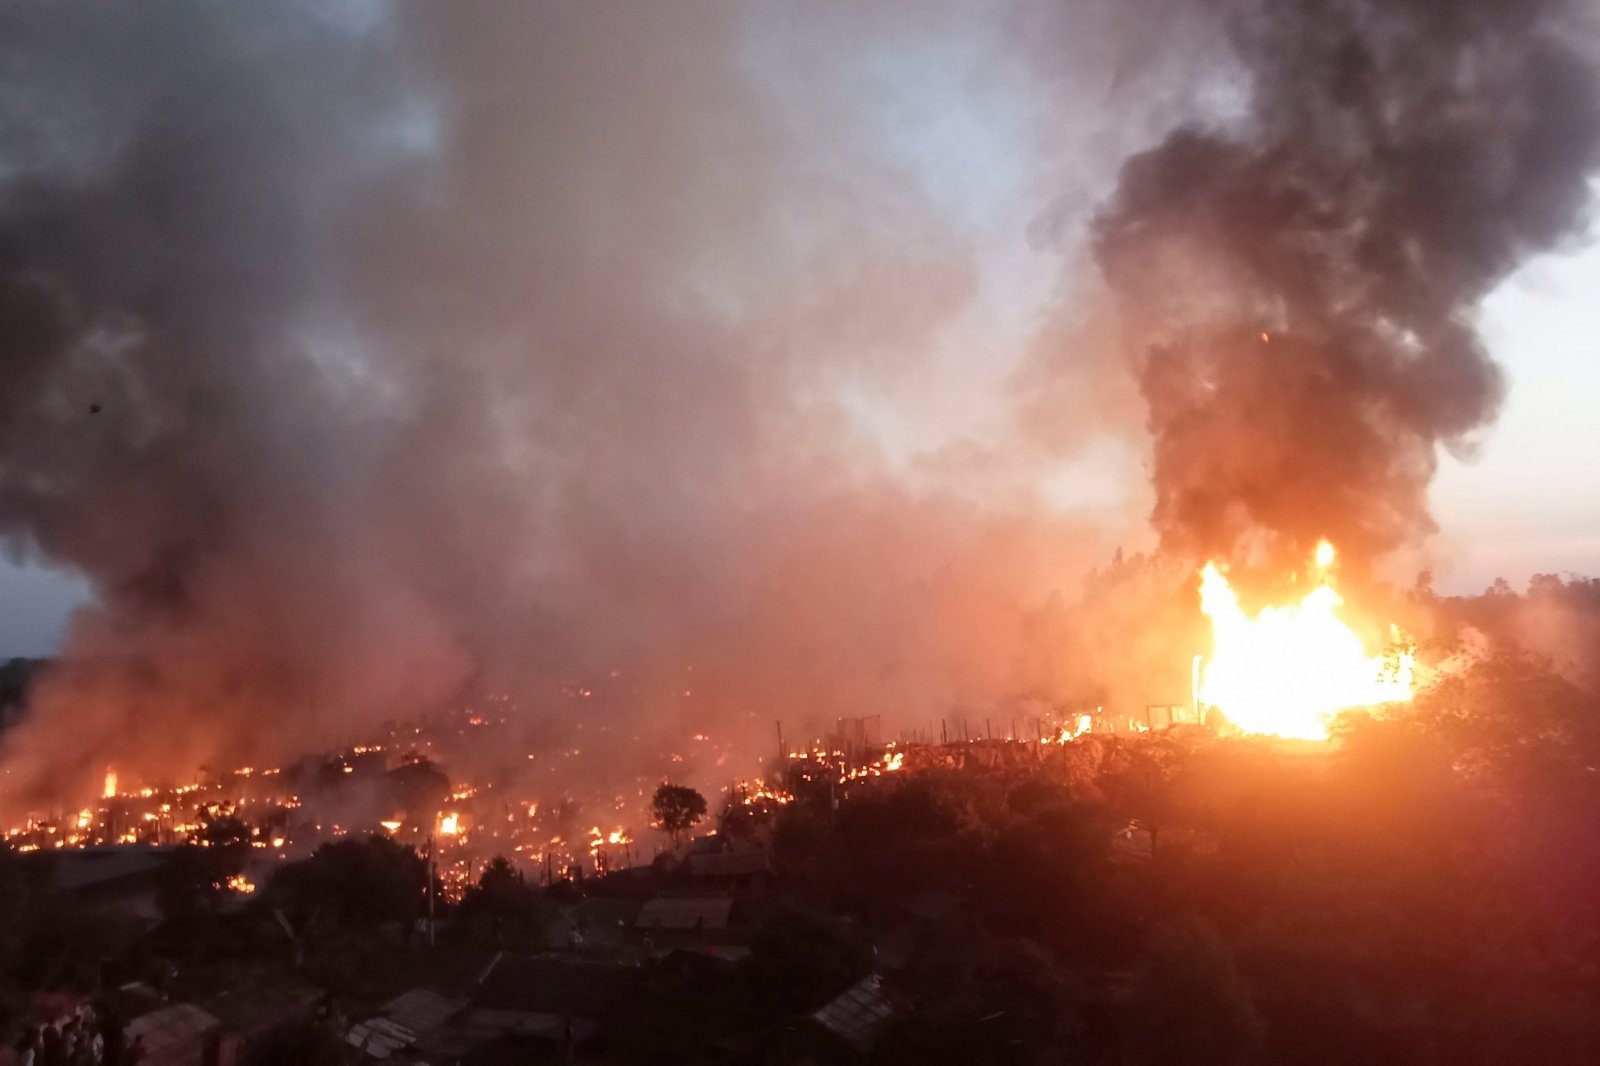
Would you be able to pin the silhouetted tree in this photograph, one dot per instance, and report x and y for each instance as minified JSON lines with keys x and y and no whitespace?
{"x":504,"y":900}
{"x":352,"y":884}
{"x":677,"y":809}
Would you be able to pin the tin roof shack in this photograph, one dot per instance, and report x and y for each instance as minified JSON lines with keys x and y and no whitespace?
{"x":694,"y":922}
{"x":175,"y":1036}
{"x":216,"y":1030}
{"x":547,"y":984}
{"x":733,"y":873}
{"x":260,"y":1001}
{"x":686,"y":914}
{"x":122,"y":878}
{"x":400,"y":1024}
{"x":848,"y":1027}
{"x":531,"y":1009}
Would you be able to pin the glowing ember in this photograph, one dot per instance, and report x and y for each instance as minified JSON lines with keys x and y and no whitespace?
{"x":1290,"y":669}
{"x":241,"y":884}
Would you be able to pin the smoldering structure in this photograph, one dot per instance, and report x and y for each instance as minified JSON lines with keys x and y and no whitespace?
{"x":1301,"y":272}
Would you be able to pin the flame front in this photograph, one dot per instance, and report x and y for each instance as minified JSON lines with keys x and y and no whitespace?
{"x":1291,"y":668}
{"x":109,"y":789}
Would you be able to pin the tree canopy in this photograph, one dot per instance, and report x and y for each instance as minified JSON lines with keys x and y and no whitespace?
{"x":676,"y":809}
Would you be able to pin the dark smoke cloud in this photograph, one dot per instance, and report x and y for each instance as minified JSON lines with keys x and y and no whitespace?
{"x":361,"y":355}
{"x":1299,"y":274}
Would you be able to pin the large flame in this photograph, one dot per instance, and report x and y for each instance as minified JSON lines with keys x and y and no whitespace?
{"x":1290,"y":669}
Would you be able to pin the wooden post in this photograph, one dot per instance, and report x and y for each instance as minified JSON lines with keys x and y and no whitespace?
{"x":431,"y":870}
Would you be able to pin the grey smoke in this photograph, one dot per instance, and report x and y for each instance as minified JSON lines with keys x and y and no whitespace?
{"x":448,"y":348}
{"x":1299,"y":281}
{"x":440,"y":348}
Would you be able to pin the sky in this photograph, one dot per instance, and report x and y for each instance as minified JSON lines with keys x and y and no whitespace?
{"x":1529,"y":501}
{"x":966,"y":130}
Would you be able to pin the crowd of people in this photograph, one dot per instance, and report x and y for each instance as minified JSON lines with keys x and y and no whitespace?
{"x":79,"y":1037}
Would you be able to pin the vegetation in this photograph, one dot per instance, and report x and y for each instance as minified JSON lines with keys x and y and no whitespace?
{"x":352,"y":886}
{"x":676,"y":809}
{"x":503,"y":908}
{"x":1422,"y":890}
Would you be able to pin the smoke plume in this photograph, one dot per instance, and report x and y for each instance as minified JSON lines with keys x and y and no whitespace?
{"x":1300,"y":271}
{"x":363,"y":355}
{"x":360,"y":356}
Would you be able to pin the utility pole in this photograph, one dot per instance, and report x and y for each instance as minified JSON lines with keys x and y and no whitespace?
{"x":783,"y":752}
{"x":432,"y":867}
{"x":1194,"y":689}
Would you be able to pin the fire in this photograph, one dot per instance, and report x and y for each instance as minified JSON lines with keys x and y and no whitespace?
{"x":1080,"y":725}
{"x":449,"y":825}
{"x":110,"y":789}
{"x":1291,"y":668}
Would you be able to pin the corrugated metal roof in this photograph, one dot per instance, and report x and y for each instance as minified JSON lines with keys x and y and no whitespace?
{"x":729,"y":864}
{"x":173,"y":1036}
{"x":858,"y":1014}
{"x":76,"y":869}
{"x":478,"y":1028}
{"x":379,"y":1037}
{"x":420,"y":1009}
{"x":556,"y":986}
{"x":258,"y":1004}
{"x":666,"y":912}
{"x":402,"y":1022}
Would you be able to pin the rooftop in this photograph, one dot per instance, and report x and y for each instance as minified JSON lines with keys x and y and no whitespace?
{"x":730,"y":864}
{"x":551,"y":985}
{"x":669,"y":912}
{"x":858,"y":1014}
{"x":173,"y":1036}
{"x":401,"y":1022}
